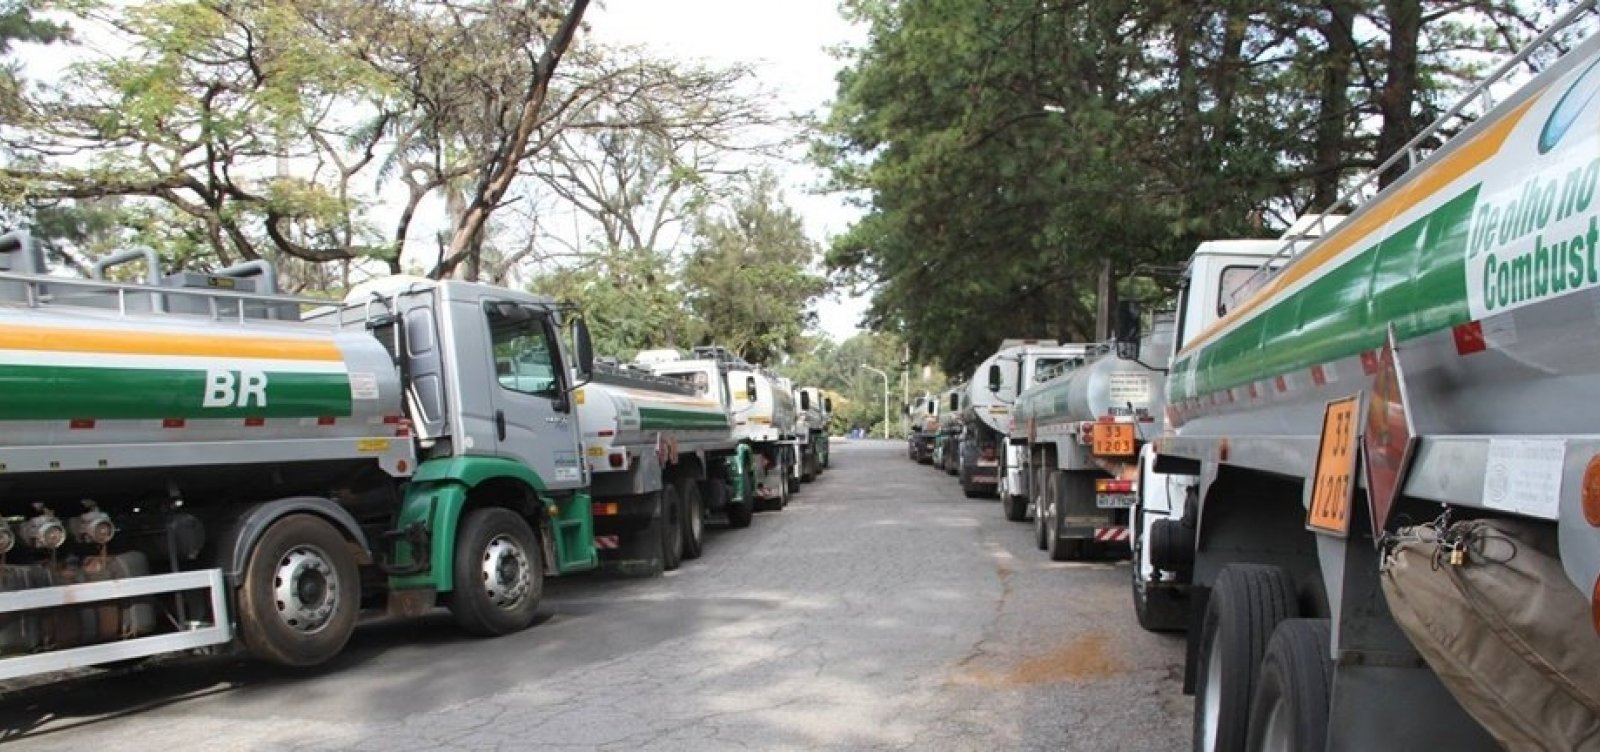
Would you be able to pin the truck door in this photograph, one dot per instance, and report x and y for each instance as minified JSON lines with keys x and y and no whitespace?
{"x":534,"y":419}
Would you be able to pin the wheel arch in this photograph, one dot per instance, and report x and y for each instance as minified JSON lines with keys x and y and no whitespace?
{"x":234,"y":548}
{"x":1248,"y":516}
{"x":443,"y":490}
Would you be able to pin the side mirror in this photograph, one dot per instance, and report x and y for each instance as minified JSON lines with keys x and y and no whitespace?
{"x":994,"y":378}
{"x":805,"y":400}
{"x":1126,"y":330}
{"x":955,"y":402}
{"x":750,"y":388}
{"x":827,"y":405}
{"x":584,"y":345}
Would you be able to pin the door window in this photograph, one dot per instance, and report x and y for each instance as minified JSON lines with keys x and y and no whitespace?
{"x":524,"y":354}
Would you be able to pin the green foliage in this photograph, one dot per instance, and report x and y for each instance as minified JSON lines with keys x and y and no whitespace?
{"x":747,"y":279}
{"x":631,"y":300}
{"x":858,"y":392}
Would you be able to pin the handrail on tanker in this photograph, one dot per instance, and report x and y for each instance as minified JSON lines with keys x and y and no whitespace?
{"x":1479,"y":92}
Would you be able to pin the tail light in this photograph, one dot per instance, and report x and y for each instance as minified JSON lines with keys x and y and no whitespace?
{"x":1108,"y":486}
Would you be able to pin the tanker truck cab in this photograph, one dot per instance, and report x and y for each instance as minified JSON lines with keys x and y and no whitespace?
{"x":490,"y":389}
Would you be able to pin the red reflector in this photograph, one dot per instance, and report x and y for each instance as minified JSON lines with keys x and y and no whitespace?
{"x":256,"y":422}
{"x":325,"y":420}
{"x":172,"y":423}
{"x":402,"y":465}
{"x":79,"y":424}
{"x":1469,"y":338}
{"x":1318,"y":376}
{"x":392,"y":419}
{"x":1107,"y":486}
{"x":615,"y":460}
{"x":608,"y":432}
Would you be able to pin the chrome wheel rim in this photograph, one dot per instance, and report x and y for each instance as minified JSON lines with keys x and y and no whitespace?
{"x":505,"y":572}
{"x":305,"y":589}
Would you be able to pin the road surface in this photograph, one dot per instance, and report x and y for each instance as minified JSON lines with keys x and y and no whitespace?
{"x":881,"y":610}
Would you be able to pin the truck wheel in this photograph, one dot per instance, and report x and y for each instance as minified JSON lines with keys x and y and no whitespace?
{"x":740,"y":515}
{"x":671,"y":528}
{"x":694,"y":518}
{"x":1041,"y":504}
{"x":301,"y":592}
{"x":1015,"y":507}
{"x":498,"y":573}
{"x":1247,"y":602}
{"x":1290,"y":707}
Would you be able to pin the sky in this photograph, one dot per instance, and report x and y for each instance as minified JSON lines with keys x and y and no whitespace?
{"x":787,"y":42}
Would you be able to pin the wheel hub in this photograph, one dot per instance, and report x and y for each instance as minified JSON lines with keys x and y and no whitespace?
{"x":305,"y":589}
{"x":505,"y":572}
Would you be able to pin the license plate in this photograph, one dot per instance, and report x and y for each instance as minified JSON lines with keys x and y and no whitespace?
{"x":1114,"y":501}
{"x":1113,"y":440}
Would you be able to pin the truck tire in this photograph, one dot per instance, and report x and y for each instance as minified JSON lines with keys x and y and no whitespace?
{"x":301,"y":593}
{"x":740,"y":515}
{"x":1041,"y":501}
{"x":1290,"y":707}
{"x":1247,"y":602}
{"x":498,"y":573}
{"x":1167,"y":613}
{"x":694,"y":518}
{"x":1015,"y":507}
{"x":671,"y":528}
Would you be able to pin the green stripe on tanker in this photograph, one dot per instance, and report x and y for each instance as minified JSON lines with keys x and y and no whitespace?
{"x":657,"y":418}
{"x":1414,"y":278}
{"x":1522,"y":227}
{"x":71,"y":392}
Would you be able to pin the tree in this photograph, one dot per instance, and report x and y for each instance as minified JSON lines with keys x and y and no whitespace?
{"x":632,"y":301}
{"x":748,"y":277}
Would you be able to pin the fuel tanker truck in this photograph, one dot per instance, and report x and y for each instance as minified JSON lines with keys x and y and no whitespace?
{"x":763,"y":415}
{"x":948,"y":442}
{"x":986,"y":462}
{"x":1390,"y":529}
{"x":190,"y":465}
{"x":922,"y":426}
{"x":815,"y":410}
{"x":661,"y":454}
{"x":1078,"y":432}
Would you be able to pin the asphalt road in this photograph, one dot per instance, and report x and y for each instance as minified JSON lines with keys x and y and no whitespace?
{"x":881,"y":610}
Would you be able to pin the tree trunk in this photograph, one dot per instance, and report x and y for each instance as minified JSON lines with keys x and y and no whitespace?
{"x":503,"y":168}
{"x":1334,"y":104}
{"x":1105,"y":302}
{"x":1400,"y":83}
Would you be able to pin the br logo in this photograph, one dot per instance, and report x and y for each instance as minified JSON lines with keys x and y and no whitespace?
{"x":235,"y":388}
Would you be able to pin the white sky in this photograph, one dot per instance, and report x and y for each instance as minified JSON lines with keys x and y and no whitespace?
{"x":787,"y":42}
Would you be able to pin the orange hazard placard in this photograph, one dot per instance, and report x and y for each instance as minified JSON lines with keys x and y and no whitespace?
{"x":1112,"y":440}
{"x":1333,"y":483}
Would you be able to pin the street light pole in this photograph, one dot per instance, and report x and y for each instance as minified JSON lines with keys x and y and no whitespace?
{"x":885,"y":397}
